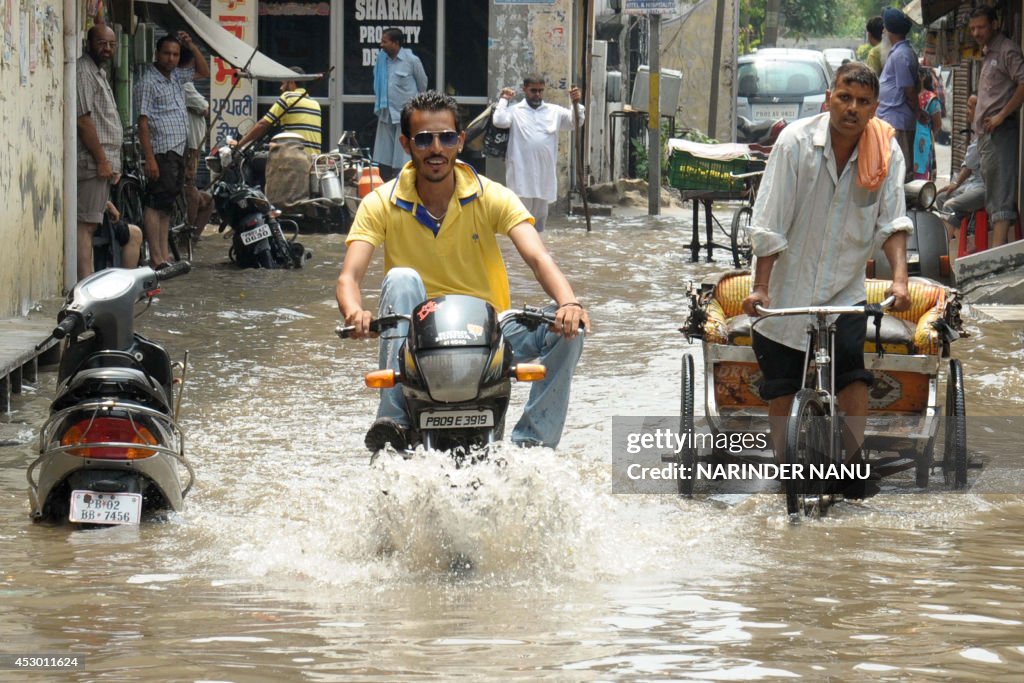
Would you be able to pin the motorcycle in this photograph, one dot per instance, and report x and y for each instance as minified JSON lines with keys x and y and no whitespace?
{"x":111,"y":449}
{"x":762,"y":134}
{"x":455,"y":367}
{"x":257,"y":238}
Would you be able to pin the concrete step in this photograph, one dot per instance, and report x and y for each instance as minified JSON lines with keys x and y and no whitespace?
{"x":576,"y":209}
{"x":19,"y":357}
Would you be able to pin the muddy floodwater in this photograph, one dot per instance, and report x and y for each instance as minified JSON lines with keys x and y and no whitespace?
{"x":290,"y":564}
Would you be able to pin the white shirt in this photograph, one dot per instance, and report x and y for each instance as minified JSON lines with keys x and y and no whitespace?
{"x":823,"y":226}
{"x":532,"y":154}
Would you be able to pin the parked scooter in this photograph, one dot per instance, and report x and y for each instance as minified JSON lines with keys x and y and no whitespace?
{"x":455,"y":368}
{"x":927,"y":245}
{"x":111,"y":450}
{"x":257,"y":240}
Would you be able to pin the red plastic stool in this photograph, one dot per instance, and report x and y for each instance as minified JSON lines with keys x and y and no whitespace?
{"x":980,"y":233}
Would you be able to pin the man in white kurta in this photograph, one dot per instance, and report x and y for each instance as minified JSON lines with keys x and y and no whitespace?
{"x":532,"y":154}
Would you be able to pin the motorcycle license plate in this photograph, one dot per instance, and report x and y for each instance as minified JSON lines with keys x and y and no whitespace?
{"x":255,"y":235}
{"x":92,"y":507}
{"x":456,"y":419}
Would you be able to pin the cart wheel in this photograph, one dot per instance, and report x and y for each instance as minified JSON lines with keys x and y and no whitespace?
{"x":740,"y":235}
{"x":954,"y":460}
{"x":807,"y":443}
{"x":687,"y":458}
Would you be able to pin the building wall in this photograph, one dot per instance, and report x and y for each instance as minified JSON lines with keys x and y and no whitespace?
{"x":31,"y":146}
{"x":687,"y":45}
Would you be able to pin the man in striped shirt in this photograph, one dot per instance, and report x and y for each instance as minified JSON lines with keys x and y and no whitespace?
{"x":294,"y":112}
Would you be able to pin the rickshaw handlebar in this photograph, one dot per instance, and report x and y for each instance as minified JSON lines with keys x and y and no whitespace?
{"x":867,"y":309}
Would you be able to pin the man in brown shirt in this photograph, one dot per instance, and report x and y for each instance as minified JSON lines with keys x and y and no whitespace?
{"x":1000,"y":95}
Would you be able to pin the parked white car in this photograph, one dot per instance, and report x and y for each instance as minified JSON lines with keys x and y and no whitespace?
{"x":835,"y":56}
{"x":782,"y":83}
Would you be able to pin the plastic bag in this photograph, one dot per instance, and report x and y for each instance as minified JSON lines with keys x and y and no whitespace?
{"x":495,"y":139}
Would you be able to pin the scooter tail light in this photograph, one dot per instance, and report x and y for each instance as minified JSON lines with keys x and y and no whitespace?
{"x":381,"y":379}
{"x":530,"y":372}
{"x":104,"y":430}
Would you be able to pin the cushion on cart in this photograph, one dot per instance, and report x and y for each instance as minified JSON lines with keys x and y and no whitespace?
{"x":904,"y":332}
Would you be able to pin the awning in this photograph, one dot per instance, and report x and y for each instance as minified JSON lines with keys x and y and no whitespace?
{"x":250,"y":61}
{"x":924,"y":12}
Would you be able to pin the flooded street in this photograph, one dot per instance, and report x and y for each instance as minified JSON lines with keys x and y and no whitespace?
{"x":290,"y":564}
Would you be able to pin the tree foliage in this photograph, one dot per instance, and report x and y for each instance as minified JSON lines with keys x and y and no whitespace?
{"x":809,"y":18}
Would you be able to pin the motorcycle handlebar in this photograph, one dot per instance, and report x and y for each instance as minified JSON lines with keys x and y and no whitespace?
{"x":377,"y":325}
{"x":530,"y":316}
{"x":173,"y":271}
{"x":66,"y":326}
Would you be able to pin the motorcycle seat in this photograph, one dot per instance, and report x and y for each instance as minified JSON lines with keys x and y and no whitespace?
{"x":122,"y":383}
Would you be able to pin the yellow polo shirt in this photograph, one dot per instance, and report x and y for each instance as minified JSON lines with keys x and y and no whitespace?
{"x":459,"y":257}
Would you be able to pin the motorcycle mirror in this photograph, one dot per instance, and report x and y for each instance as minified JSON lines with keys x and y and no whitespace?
{"x":920,"y":194}
{"x":245,"y":126}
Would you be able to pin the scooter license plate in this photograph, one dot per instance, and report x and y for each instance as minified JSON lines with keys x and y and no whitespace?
{"x":255,"y":234}
{"x":456,"y":419}
{"x":93,"y":507}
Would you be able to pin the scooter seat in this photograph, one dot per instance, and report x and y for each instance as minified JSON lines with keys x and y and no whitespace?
{"x":123,"y":383}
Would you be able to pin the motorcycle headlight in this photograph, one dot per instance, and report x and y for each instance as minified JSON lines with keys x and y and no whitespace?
{"x":920,"y":194}
{"x":453,"y":375}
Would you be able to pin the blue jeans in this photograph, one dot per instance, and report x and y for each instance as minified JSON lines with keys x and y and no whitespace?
{"x":544,"y":414}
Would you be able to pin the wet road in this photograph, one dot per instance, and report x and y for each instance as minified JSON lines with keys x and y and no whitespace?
{"x":275,"y":570}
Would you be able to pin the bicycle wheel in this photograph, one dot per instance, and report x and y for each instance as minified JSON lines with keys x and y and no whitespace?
{"x":740,"y":237}
{"x":128,"y":199}
{"x":180,"y":237}
{"x":954,"y":460}
{"x":687,"y":457}
{"x":807,"y":444}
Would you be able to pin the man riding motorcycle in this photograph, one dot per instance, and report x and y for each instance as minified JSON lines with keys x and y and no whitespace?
{"x":438,"y":221}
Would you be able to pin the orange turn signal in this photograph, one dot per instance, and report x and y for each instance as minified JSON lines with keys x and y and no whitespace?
{"x":381,"y":379}
{"x":944,"y":267}
{"x":530,"y":372}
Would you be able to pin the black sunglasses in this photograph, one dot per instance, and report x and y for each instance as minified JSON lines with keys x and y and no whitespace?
{"x":425,"y":139}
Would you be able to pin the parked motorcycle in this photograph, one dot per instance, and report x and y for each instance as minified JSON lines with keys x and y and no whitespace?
{"x":455,"y":368}
{"x":759,"y":134}
{"x":111,"y":449}
{"x":257,"y":239}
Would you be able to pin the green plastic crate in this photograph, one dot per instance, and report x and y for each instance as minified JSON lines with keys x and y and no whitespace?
{"x":687,"y":172}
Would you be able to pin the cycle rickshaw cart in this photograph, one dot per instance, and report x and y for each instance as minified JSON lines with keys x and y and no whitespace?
{"x":904,"y":412}
{"x":705,"y":173}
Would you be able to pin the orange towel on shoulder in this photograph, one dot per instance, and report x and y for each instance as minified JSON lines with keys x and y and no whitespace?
{"x":873,"y":152}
